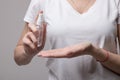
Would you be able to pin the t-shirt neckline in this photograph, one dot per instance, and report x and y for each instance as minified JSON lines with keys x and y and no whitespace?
{"x":89,"y":11}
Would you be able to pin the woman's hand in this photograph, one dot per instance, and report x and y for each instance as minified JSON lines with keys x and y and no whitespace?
{"x":30,"y":40}
{"x":68,"y":52}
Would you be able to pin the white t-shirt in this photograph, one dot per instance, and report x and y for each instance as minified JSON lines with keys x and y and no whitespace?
{"x":65,"y":26}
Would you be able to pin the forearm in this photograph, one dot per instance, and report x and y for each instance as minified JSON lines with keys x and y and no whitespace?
{"x":113,"y":61}
{"x":21,"y":58}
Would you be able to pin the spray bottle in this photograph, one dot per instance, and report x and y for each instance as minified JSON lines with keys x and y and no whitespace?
{"x":40,"y":28}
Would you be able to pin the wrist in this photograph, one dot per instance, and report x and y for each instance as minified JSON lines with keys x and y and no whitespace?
{"x":100,"y":54}
{"x":92,"y":50}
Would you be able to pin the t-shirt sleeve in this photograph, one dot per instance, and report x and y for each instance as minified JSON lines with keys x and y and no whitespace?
{"x":32,"y":11}
{"x":119,"y":12}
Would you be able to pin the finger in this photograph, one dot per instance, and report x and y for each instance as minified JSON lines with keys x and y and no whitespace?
{"x":32,"y":37}
{"x":29,"y":50}
{"x":47,"y":54}
{"x":57,"y":53}
{"x":32,"y":27}
{"x":28,"y":42}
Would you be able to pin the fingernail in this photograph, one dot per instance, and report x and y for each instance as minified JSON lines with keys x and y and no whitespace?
{"x":39,"y":55}
{"x":40,"y":12}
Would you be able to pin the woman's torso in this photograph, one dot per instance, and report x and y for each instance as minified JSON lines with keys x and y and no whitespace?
{"x":68,"y":27}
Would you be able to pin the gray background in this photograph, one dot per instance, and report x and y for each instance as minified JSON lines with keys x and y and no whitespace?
{"x":11,"y":24}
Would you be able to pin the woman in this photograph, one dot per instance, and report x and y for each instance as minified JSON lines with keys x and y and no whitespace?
{"x":83,"y":37}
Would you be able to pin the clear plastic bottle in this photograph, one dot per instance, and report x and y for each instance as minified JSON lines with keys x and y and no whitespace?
{"x":40,"y":28}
